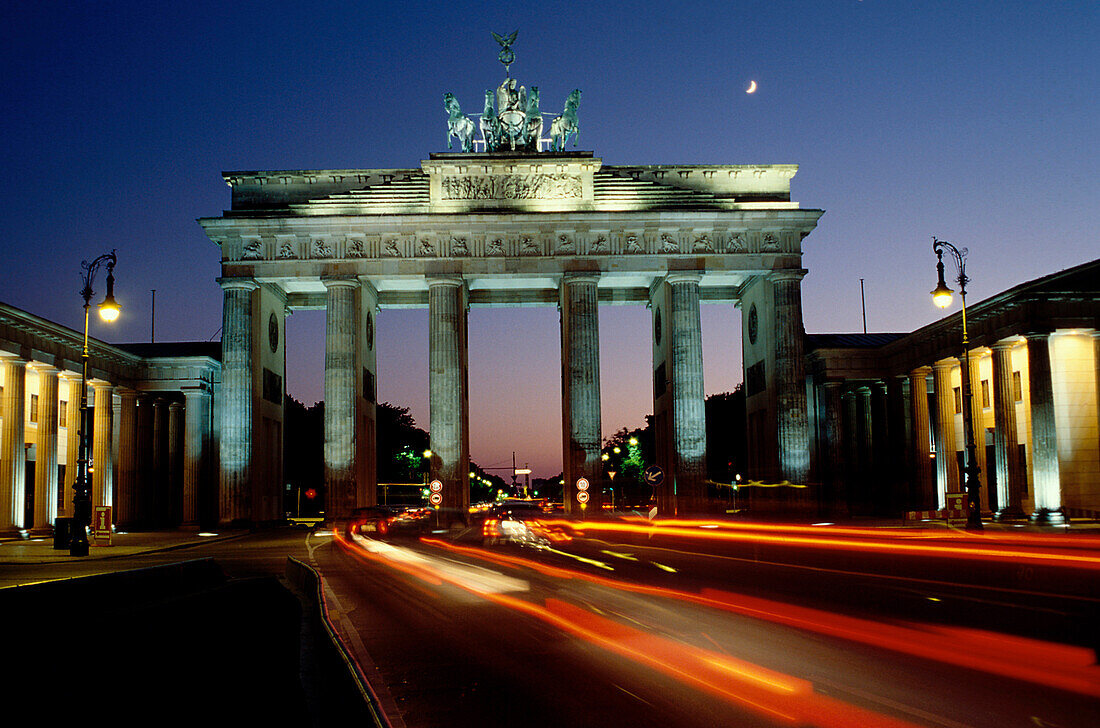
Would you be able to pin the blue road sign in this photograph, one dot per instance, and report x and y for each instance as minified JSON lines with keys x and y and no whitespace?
{"x":654,"y":475}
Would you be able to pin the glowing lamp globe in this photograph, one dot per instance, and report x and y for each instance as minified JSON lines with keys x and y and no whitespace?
{"x":109,"y":309}
{"x":941,"y":296}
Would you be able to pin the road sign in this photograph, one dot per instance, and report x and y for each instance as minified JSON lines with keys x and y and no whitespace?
{"x":654,"y":475}
{"x":435,"y":498}
{"x":582,"y":484}
{"x":435,"y":486}
{"x":582,"y":496}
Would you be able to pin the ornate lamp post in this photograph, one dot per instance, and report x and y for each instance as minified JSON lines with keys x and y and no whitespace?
{"x":108,"y":311}
{"x":941,"y":296}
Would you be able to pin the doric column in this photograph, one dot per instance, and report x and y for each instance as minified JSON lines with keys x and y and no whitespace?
{"x":341,"y":375}
{"x":45,"y":466}
{"x":898,"y":451}
{"x":977,"y":421}
{"x":689,"y":423}
{"x":196,"y":453}
{"x":144,"y":468}
{"x":448,"y":393}
{"x":835,"y":499}
{"x":157,"y":485}
{"x":13,"y":455}
{"x":102,"y":457}
{"x":173,"y":477}
{"x":790,"y":377}
{"x":947,"y":467}
{"x":1044,"y":435}
{"x":850,"y":400}
{"x":1011,"y":479}
{"x":924,"y":485}
{"x":865,"y":460}
{"x":126,"y":492}
{"x":235,"y":441}
{"x":72,"y":443}
{"x":580,"y":389}
{"x":880,"y":484}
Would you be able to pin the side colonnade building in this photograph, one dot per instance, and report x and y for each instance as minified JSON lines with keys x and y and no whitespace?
{"x":153,"y":427}
{"x":506,"y":229}
{"x":887,"y":409}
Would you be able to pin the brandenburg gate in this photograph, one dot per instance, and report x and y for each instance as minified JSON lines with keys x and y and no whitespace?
{"x":508,"y":224}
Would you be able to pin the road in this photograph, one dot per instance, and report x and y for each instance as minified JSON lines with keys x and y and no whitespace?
{"x":701,"y":626}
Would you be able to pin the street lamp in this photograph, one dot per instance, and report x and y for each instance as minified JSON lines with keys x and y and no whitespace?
{"x":941,"y":296}
{"x":108,"y":311}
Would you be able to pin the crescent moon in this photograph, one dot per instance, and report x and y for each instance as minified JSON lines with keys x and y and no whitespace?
{"x":751,"y":88}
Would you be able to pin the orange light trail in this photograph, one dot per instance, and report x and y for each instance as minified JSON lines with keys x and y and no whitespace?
{"x":1059,"y":666}
{"x":1083,"y":561}
{"x":766,"y":692}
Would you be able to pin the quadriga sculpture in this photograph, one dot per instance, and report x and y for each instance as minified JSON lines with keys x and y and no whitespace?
{"x":459,"y":125}
{"x":565,"y":125}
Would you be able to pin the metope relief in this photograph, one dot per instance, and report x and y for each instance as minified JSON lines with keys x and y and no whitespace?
{"x":320,"y":249}
{"x":286,"y":251}
{"x":391,"y":250}
{"x":512,"y":187}
{"x":633,"y":245}
{"x":565,"y":245}
{"x":495,"y":247}
{"x":458,"y":248}
{"x":253,"y":250}
{"x":529,"y":246}
{"x":425,"y":249}
{"x":355,"y":249}
{"x":668,"y":245}
{"x":702,"y":245}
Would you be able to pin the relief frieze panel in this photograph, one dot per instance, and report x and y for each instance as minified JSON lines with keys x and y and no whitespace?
{"x":512,"y":187}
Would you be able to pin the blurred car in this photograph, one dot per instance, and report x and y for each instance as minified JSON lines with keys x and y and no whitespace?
{"x":519,"y":522}
{"x":371,"y":520}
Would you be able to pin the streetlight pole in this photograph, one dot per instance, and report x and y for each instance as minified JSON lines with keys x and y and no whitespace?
{"x":941,"y":296}
{"x":108,"y":311}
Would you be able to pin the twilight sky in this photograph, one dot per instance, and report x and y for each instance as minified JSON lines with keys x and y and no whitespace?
{"x":972,"y":121}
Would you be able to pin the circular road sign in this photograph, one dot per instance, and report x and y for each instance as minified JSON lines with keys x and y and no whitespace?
{"x":435,"y":499}
{"x":435,"y":486}
{"x":582,"y":485}
{"x":654,"y":475}
{"x":582,"y":496}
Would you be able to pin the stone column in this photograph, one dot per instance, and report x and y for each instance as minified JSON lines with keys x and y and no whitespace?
{"x":899,"y":454}
{"x":341,"y":375}
{"x":157,"y":485}
{"x":1011,"y":479}
{"x":102,"y":457}
{"x":448,"y":397}
{"x":235,"y":493}
{"x":175,"y":463}
{"x":852,"y":441}
{"x":835,"y":499}
{"x":1044,"y":435}
{"x":689,"y":422}
{"x":45,"y":466}
{"x":13,"y":454}
{"x":144,"y":468}
{"x":880,"y":459}
{"x":977,"y":421}
{"x":72,"y":443}
{"x":580,"y":390}
{"x":196,"y":453}
{"x":865,"y":459}
{"x":947,"y":467}
{"x":126,"y":493}
{"x":924,"y":485}
{"x":790,"y":377}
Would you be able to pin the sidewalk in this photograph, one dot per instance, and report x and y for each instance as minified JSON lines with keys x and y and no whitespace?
{"x":39,"y":550}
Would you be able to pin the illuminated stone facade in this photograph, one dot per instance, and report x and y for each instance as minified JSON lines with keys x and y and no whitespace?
{"x":504,"y":229}
{"x":151,"y":422}
{"x":887,"y":418}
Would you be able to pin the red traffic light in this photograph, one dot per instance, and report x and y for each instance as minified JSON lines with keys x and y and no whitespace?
{"x":311,"y":493}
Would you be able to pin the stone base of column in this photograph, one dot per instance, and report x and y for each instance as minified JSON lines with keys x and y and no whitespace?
{"x":39,"y":531}
{"x":1046,"y":517}
{"x":13,"y":533}
{"x":1012,"y":513}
